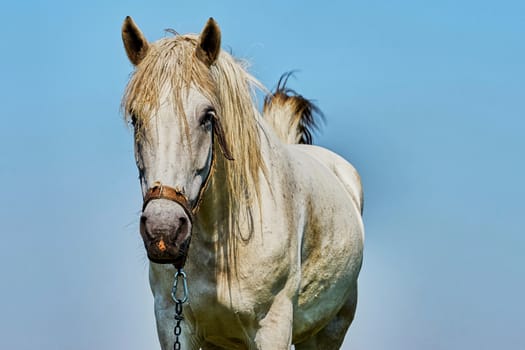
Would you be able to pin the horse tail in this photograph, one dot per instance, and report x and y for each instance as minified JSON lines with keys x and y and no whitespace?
{"x":293,"y":117}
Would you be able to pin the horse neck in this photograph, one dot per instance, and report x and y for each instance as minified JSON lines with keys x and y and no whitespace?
{"x":215,"y":199}
{"x":213,"y":235}
{"x":219,"y":221}
{"x":221,"y":231}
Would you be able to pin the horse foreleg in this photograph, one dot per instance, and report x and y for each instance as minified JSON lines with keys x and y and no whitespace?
{"x":275,"y":332}
{"x":333,"y":334}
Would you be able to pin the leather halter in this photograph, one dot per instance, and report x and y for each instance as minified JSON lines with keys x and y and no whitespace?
{"x":160,"y":191}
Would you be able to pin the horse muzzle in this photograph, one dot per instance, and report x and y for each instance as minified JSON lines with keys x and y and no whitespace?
{"x":165,"y":227}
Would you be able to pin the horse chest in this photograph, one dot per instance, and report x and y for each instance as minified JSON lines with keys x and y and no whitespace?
{"x":224,"y":314}
{"x":222,"y":294}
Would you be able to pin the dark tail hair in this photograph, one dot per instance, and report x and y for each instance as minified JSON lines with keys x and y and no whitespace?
{"x":302,"y":114}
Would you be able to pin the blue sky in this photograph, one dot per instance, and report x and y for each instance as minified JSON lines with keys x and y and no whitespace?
{"x":426,"y":99}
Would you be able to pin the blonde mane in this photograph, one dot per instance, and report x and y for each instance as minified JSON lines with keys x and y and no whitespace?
{"x":230,"y":88}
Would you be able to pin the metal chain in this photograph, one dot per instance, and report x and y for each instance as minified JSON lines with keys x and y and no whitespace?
{"x":179,"y":274}
{"x":178,"y":330}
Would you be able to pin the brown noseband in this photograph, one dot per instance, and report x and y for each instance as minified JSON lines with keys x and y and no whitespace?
{"x":160,"y":191}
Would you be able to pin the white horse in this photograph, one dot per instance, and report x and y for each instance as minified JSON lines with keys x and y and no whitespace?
{"x":276,"y":229}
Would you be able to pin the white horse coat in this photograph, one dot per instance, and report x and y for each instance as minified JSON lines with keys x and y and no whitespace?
{"x":276,"y":268}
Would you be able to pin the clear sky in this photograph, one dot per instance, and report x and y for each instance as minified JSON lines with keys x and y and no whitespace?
{"x":426,"y":99}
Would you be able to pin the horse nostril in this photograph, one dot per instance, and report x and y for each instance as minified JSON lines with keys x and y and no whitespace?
{"x":143,"y":227}
{"x":181,"y":229}
{"x":183,"y":224}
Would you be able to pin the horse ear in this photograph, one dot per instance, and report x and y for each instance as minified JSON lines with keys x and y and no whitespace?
{"x":135,"y":42}
{"x":209,"y":43}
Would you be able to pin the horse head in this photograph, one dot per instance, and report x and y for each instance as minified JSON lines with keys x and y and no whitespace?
{"x":172,"y":106}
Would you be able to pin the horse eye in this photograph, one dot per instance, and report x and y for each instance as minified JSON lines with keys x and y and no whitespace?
{"x":207,"y":118}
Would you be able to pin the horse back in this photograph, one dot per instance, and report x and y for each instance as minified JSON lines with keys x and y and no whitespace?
{"x":341,"y":168}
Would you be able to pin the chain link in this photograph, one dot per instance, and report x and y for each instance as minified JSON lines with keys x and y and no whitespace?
{"x":180,"y":274}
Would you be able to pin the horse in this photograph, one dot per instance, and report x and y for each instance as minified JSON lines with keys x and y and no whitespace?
{"x":275,"y":223}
